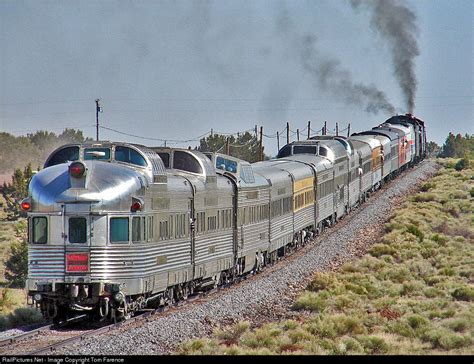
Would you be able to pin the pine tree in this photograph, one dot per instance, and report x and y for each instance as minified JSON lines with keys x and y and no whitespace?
{"x":245,"y":146}
{"x":16,"y":191}
{"x":16,"y":267}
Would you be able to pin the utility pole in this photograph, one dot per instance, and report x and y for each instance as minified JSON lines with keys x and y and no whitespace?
{"x":309,"y":129}
{"x":325,"y":130}
{"x":287,"y":133}
{"x":278,"y":141}
{"x":261,"y":144}
{"x":212,"y":132}
{"x":97,"y":110}
{"x":298,"y":134}
{"x":337,"y":129}
{"x":349,"y":130}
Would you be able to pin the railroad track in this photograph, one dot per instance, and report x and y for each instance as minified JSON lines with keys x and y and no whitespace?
{"x":46,"y":339}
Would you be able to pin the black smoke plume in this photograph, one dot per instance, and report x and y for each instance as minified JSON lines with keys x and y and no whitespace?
{"x":329,"y":75}
{"x":396,"y":23}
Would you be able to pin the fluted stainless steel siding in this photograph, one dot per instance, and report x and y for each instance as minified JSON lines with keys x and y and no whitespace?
{"x":386,"y":168}
{"x":325,"y":207}
{"x":366,"y":181}
{"x":221,"y":241}
{"x":113,"y":262}
{"x":281,"y":231}
{"x":376,"y":176}
{"x":304,"y":217}
{"x":354,"y":190}
{"x":253,"y":237}
{"x":46,"y":262}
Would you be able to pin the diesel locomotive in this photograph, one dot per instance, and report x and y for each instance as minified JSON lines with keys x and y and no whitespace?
{"x":115,"y":227}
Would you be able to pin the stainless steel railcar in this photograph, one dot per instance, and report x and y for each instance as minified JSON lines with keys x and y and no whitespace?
{"x":114,"y":227}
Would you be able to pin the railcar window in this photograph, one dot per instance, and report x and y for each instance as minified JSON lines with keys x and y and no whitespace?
{"x":64,"y":155}
{"x":137,"y":234}
{"x":226,"y":164}
{"x":186,"y":162}
{"x":165,"y":157}
{"x":304,"y":149}
{"x":77,"y":230}
{"x":97,"y":153}
{"x":40,"y":230}
{"x":246,"y":173}
{"x":151,"y":224}
{"x":284,"y":152}
{"x":119,"y":230}
{"x":129,"y":155}
{"x":323,"y":152}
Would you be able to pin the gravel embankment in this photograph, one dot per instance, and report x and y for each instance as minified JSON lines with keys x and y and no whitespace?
{"x":264,"y":296}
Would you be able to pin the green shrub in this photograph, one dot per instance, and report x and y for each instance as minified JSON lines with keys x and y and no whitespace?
{"x":428,"y":186}
{"x":417,"y":321}
{"x":323,"y":327}
{"x":352,"y":345}
{"x":24,"y":316}
{"x":373,"y":344}
{"x":321,"y":281}
{"x":464,"y":294}
{"x":412,"y":229}
{"x":440,"y":239}
{"x":444,"y":339}
{"x":462,"y":164}
{"x":290,"y":325}
{"x":458,"y":324}
{"x":234,"y":333}
{"x":382,"y":249}
{"x":424,"y":197}
{"x":310,"y":301}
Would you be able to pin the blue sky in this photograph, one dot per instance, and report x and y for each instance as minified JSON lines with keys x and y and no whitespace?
{"x":175,"y":69}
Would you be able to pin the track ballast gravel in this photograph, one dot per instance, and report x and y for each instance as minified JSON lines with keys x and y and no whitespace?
{"x":263,"y":295}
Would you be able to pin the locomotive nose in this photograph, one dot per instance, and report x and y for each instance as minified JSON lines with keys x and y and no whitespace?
{"x":104,"y":185}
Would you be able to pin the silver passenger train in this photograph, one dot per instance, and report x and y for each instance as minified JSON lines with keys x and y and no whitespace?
{"x":116,"y":227}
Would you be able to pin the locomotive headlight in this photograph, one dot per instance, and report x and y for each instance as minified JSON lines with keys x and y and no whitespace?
{"x":37,"y":297}
{"x":119,"y":297}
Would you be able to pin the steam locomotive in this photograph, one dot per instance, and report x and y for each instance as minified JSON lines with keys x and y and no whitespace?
{"x":115,"y":227}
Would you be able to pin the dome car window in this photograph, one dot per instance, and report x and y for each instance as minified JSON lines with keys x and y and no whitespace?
{"x":129,"y":155}
{"x":96,"y":154}
{"x":304,"y":149}
{"x":165,"y":157}
{"x":64,"y":155}
{"x":186,"y":162}
{"x":285,"y":151}
{"x":226,"y":164}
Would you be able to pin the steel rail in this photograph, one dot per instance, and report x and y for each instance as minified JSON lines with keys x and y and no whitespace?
{"x":14,"y":339}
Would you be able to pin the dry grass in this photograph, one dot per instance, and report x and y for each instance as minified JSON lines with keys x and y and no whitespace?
{"x":411,"y":294}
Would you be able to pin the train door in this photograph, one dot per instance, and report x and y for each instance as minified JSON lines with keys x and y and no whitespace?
{"x":77,"y":233}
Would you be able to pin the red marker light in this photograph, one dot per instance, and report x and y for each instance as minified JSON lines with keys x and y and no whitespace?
{"x":136,"y":206}
{"x":25,"y":206}
{"x":77,"y":169}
